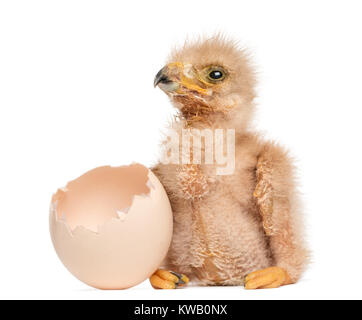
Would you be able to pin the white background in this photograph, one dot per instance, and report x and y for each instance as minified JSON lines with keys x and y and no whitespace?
{"x":76,"y":93}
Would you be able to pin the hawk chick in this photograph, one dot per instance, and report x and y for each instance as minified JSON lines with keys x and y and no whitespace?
{"x":235,"y":229}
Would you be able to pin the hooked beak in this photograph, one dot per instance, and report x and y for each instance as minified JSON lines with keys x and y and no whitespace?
{"x":179,"y":78}
{"x":161,"y":77}
{"x":166,"y":80}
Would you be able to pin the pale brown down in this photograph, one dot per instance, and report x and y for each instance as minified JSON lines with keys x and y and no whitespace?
{"x":238,"y":223}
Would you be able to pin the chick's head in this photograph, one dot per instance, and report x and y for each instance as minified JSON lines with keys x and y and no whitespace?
{"x":207,"y":78}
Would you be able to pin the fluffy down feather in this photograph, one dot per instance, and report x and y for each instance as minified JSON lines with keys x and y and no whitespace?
{"x":226,"y":227}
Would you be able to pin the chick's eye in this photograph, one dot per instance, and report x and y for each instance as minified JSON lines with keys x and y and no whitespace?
{"x":216,"y":75}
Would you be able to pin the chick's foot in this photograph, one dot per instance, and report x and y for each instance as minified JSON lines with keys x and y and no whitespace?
{"x":272,"y":277}
{"x":163,"y":279}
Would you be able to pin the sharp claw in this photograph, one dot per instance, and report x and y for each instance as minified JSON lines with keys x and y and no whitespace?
{"x":182,"y":279}
{"x":166,"y":275}
{"x":163,"y":279}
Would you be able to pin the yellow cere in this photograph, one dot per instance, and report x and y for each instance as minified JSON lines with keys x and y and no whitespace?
{"x":186,"y":81}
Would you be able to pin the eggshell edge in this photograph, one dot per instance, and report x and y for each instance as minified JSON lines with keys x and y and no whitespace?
{"x":83,"y":251}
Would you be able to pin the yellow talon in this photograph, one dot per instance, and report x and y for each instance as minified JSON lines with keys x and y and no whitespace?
{"x":163,"y":279}
{"x":272,"y":277}
{"x":159,"y":283}
{"x":166,"y":275}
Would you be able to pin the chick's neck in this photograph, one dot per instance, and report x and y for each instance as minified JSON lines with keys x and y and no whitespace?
{"x":196,"y":113}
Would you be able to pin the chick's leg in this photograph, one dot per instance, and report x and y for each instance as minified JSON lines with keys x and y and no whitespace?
{"x":163,"y":279}
{"x":272,"y":277}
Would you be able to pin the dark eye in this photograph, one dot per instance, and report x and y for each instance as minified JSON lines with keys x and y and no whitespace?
{"x":216,"y":75}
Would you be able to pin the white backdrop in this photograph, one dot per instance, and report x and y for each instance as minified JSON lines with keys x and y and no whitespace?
{"x":76,"y":93}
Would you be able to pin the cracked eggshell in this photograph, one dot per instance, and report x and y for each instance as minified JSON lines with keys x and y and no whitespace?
{"x":112,"y":226}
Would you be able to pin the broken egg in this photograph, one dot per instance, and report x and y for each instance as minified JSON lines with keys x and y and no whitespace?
{"x":112,"y":226}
